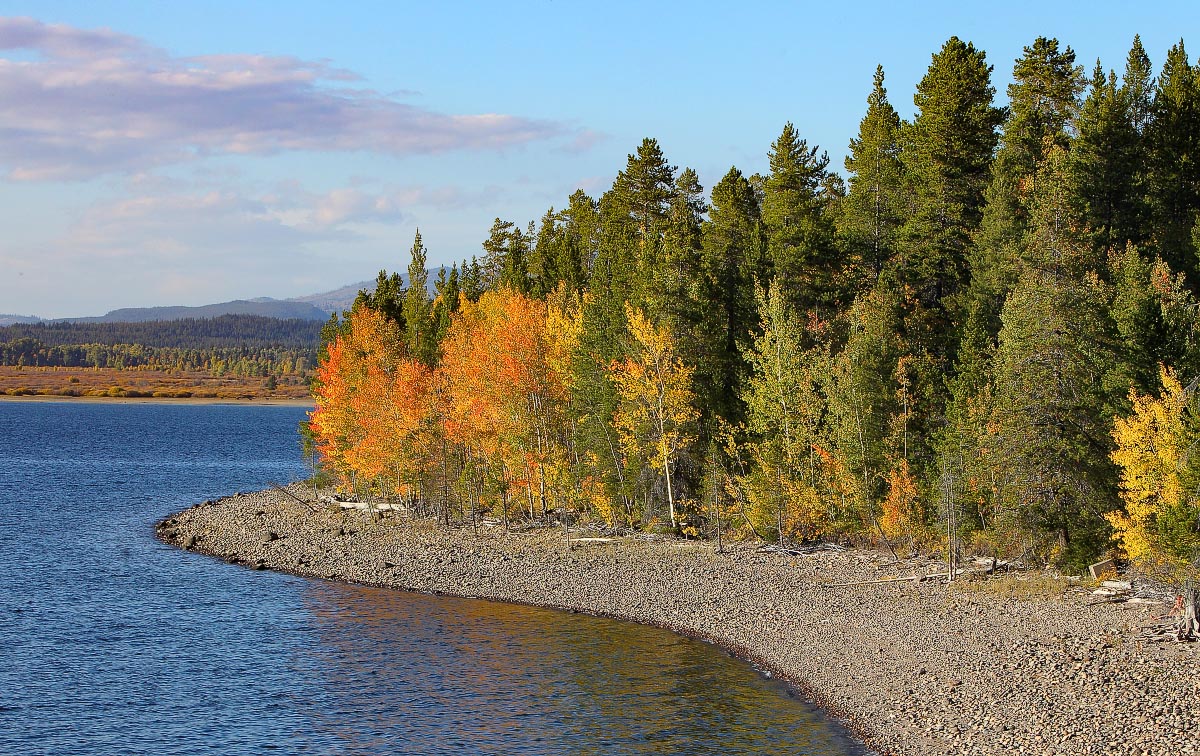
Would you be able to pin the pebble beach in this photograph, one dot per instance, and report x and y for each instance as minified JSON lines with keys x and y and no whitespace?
{"x":913,"y":668}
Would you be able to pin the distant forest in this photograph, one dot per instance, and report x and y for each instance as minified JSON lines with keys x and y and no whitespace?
{"x":247,"y":345}
{"x":984,"y":337}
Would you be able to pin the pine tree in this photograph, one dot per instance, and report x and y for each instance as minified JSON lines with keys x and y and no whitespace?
{"x":1105,"y":166}
{"x":1054,"y":353}
{"x":387,"y":298}
{"x":418,"y":323}
{"x":506,"y":258}
{"x":947,"y":155}
{"x":800,"y":236}
{"x":643,"y":191}
{"x":734,"y":258}
{"x":1173,"y":141}
{"x":1044,"y":98}
{"x":445,"y":302}
{"x":874,"y":208}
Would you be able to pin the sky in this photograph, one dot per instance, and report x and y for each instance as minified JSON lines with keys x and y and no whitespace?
{"x":186,"y":153}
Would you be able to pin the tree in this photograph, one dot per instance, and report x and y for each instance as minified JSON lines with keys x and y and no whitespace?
{"x":1156,"y":450}
{"x":506,"y":258}
{"x":1054,"y":352}
{"x":445,"y":303}
{"x":387,"y":298}
{"x":1173,"y":140}
{"x":501,"y":394}
{"x":800,"y":238}
{"x":419,"y":327}
{"x":874,"y":207}
{"x":657,"y":404}
{"x":370,"y":346}
{"x":1106,"y":160}
{"x":784,"y":411}
{"x":861,"y":396}
{"x":947,"y":156}
{"x":642,"y":192}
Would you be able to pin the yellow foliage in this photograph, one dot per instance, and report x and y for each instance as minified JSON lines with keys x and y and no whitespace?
{"x":657,"y":404}
{"x":1151,"y":444}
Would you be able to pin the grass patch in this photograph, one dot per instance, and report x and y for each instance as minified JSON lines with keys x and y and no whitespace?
{"x":1024,"y":586}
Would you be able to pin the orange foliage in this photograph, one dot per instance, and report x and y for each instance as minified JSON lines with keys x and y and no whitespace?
{"x":501,"y":394}
{"x":370,"y":347}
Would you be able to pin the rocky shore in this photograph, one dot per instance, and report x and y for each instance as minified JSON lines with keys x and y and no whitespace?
{"x":914,"y":668}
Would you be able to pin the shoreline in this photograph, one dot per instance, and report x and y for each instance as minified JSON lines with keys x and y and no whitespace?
{"x":265,"y":402}
{"x":911,"y":669}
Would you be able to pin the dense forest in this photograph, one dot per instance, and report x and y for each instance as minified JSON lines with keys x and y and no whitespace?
{"x":242,"y":345}
{"x":984,"y":337}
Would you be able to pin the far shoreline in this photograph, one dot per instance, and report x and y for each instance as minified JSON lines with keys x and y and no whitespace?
{"x":192,"y":400}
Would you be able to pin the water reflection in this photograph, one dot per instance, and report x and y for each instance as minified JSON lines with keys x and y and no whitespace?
{"x":427,"y":674}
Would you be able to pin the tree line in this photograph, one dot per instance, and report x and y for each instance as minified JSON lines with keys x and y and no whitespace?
{"x":224,"y":331}
{"x":233,"y":345}
{"x":985,"y":336}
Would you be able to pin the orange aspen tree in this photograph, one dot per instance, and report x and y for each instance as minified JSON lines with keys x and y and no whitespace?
{"x":501,"y":395}
{"x":371,"y":343}
{"x":396,"y":417}
{"x":657,"y":404}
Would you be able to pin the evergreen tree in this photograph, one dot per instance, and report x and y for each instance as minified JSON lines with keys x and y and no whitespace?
{"x":1106,"y":164}
{"x":1173,"y":141}
{"x":1044,"y":98}
{"x":643,"y":191}
{"x":418,"y":323}
{"x":676,"y":295}
{"x":874,"y":208}
{"x":734,"y":258}
{"x":506,"y":255}
{"x":1051,"y":409}
{"x":800,"y":236}
{"x":387,"y":298}
{"x":445,"y":302}
{"x":947,"y":156}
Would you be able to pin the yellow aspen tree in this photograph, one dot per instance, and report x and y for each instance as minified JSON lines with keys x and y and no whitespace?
{"x":1158,"y":527}
{"x":657,"y":405}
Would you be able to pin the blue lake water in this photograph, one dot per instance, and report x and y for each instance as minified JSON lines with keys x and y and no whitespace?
{"x":112,"y":643}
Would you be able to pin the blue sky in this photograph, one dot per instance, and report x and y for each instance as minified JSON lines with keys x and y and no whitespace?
{"x":186,"y":153}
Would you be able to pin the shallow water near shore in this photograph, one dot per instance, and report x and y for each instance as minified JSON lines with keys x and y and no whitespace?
{"x":115,"y":643}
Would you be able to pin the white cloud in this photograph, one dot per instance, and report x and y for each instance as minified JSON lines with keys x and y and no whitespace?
{"x":92,"y":102}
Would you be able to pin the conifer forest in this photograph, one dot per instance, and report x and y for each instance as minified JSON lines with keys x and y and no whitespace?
{"x":982,"y":335}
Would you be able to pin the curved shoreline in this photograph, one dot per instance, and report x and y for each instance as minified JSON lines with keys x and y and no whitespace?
{"x":912,"y":669}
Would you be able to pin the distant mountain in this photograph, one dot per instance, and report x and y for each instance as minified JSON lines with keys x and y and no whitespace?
{"x":7,"y":320}
{"x":308,"y":307}
{"x":267,"y":309}
{"x":336,"y":300}
{"x":341,"y":299}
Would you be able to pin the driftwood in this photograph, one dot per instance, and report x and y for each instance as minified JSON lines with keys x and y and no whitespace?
{"x":771,"y":548}
{"x":912,"y":578}
{"x":308,"y":505}
{"x":1180,"y":624}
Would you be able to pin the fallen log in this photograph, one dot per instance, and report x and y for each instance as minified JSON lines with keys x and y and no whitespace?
{"x":308,"y":505}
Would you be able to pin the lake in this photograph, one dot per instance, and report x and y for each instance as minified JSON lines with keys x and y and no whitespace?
{"x":112,"y":643}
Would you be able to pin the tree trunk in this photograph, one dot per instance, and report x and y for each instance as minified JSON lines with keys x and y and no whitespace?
{"x":1189,"y":623}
